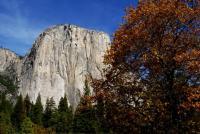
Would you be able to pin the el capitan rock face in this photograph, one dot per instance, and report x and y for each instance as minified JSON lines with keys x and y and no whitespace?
{"x":59,"y":60}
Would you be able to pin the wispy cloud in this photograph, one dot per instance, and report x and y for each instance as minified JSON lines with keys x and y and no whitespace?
{"x":14,"y":25}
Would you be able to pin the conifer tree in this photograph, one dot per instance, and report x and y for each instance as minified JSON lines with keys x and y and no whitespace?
{"x":37,"y":111}
{"x":86,"y":88}
{"x":65,"y":116}
{"x":54,"y":114}
{"x":50,"y":113}
{"x":47,"y":114}
{"x":63,"y":104}
{"x":84,"y":119}
{"x":27,"y":104}
{"x":18,"y":114}
{"x":52,"y":104}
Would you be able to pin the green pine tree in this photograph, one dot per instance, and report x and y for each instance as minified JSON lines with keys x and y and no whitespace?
{"x":85,"y":120}
{"x":86,"y":88}
{"x":18,"y":114}
{"x":27,"y":104}
{"x":37,"y":111}
{"x":65,"y":116}
{"x":27,"y":126}
{"x":50,"y":114}
{"x":63,"y":104}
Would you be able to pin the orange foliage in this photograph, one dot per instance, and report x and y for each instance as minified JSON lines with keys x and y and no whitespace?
{"x":154,"y":66}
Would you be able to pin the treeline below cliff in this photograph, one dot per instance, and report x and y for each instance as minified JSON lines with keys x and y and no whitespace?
{"x":27,"y":117}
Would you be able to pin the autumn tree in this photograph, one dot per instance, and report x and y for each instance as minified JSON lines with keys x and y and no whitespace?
{"x":152,"y":78}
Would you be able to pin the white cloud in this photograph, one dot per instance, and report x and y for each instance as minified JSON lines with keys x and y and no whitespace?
{"x":14,"y":25}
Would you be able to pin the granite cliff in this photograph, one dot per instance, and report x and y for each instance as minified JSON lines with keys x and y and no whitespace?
{"x":58,"y":63}
{"x":7,"y":59}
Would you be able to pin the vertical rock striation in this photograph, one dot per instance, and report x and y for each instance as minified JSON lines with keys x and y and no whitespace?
{"x":59,"y":60}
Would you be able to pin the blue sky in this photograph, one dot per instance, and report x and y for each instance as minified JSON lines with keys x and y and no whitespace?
{"x":21,"y":21}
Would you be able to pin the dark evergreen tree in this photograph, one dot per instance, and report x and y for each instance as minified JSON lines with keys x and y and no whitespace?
{"x":87,"y":88}
{"x":27,"y":104}
{"x":18,"y":114}
{"x":85,"y":120}
{"x":63,"y":104}
{"x":37,"y":111}
{"x":5,"y":105}
{"x":32,"y":111}
{"x":64,"y":122}
{"x":47,"y":114}
{"x":65,"y":116}
{"x":50,"y":113}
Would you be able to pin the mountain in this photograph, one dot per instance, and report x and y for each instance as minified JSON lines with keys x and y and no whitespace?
{"x":9,"y":62}
{"x":58,"y":63}
{"x":7,"y":59}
